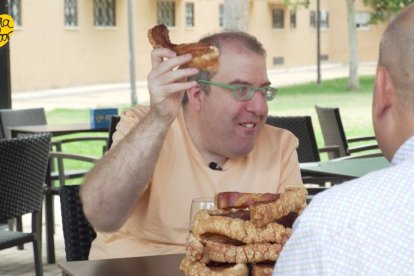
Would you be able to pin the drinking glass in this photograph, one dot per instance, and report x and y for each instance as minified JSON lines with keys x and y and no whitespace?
{"x":198,"y":204}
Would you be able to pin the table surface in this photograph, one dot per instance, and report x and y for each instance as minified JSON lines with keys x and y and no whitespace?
{"x":150,"y":265}
{"x":56,"y":130}
{"x":352,"y":168}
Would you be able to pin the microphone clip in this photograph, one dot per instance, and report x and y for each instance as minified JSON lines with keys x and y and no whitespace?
{"x":214,"y":166}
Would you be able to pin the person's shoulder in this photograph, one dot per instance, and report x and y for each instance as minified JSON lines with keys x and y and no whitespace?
{"x":272,"y":132}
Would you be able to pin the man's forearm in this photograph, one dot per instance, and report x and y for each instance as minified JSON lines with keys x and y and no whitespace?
{"x":117,"y":181}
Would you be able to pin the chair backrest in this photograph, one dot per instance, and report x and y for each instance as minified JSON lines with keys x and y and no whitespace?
{"x":77,"y":232}
{"x":23,"y":166}
{"x":112,"y":128}
{"x":332,"y":129}
{"x":21,"y":117}
{"x":301,"y":127}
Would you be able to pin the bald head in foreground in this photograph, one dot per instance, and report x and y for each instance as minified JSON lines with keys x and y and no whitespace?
{"x":366,"y":226}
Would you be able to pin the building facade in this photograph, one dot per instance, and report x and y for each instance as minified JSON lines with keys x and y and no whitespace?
{"x":64,"y":43}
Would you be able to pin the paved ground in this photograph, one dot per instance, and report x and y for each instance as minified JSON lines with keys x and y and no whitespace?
{"x":20,"y":262}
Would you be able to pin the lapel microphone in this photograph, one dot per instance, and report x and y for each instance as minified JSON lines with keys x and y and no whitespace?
{"x":214,"y":166}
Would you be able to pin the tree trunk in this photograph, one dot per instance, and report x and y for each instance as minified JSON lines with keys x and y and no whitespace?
{"x":236,"y":15}
{"x":353,"y":80}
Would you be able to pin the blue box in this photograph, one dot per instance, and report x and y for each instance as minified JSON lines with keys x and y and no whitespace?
{"x":101,"y":117}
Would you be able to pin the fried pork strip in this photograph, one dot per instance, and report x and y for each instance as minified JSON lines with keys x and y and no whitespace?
{"x":205,"y":57}
{"x":222,"y":252}
{"x":262,"y":270}
{"x":194,"y":250}
{"x":250,"y":253}
{"x":191,"y":268}
{"x":227,"y":200}
{"x":237,"y":229}
{"x":292,"y":200}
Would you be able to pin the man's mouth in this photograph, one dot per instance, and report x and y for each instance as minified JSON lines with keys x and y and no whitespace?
{"x":248,"y":125}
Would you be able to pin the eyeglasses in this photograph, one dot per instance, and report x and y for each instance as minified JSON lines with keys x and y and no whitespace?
{"x":243,"y":92}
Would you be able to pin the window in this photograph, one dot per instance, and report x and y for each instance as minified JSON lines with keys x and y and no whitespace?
{"x":324,"y":19}
{"x":15,"y":11}
{"x":221,"y":14}
{"x":104,"y":13}
{"x":278,"y":18}
{"x":362,"y":20}
{"x":189,"y":14}
{"x":293,"y":19}
{"x":166,"y":13}
{"x":71,"y":13}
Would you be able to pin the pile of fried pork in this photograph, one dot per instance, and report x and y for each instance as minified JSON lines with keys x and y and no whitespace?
{"x":244,"y":234}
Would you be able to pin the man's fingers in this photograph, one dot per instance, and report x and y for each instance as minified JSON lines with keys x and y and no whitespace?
{"x":157,"y":80}
{"x":158,"y":55}
{"x":168,"y":59}
{"x":168,"y":90}
{"x":179,"y":75}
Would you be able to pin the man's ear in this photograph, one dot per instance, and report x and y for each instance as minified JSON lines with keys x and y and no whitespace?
{"x":384,"y":92}
{"x":194,"y":95}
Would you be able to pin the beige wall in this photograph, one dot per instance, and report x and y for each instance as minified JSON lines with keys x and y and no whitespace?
{"x":45,"y":54}
{"x":368,"y":40}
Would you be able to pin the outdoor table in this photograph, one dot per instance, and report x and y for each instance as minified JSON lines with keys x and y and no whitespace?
{"x":346,"y":168}
{"x":149,"y":265}
{"x":55,"y":130}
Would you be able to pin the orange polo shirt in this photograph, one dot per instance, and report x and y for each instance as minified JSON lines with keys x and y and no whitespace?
{"x":159,"y":223}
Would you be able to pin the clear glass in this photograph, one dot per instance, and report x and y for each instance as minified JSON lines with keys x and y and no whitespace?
{"x":198,"y":204}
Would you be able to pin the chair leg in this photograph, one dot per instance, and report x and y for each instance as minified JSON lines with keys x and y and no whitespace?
{"x":19,"y":227}
{"x":37,"y":242}
{"x":10,"y":224}
{"x":37,"y":257}
{"x":49,"y":219}
{"x":50,"y":243}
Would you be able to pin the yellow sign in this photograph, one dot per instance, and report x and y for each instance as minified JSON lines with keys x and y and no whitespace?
{"x":6,"y":28}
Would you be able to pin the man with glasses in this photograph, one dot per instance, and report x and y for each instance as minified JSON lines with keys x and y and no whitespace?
{"x":203,"y":133}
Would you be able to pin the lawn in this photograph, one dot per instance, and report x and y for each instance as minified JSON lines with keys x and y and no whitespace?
{"x":355,"y":108}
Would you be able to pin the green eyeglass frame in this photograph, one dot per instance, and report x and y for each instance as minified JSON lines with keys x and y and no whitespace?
{"x":243,"y":92}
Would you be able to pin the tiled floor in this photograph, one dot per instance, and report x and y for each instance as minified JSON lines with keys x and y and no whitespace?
{"x":14,"y":262}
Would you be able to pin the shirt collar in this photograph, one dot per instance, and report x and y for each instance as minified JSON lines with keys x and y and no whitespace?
{"x":405,"y":152}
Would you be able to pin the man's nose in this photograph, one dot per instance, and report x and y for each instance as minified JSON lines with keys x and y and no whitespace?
{"x":257,"y":104}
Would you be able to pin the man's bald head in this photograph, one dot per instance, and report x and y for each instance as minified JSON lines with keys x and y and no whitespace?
{"x":397,"y":55}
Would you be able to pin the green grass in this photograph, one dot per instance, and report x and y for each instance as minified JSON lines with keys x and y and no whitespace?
{"x":299,"y":100}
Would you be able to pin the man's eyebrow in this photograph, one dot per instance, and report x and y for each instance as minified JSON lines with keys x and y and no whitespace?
{"x":268,"y":83}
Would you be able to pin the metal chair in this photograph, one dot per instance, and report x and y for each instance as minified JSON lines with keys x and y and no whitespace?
{"x":23,"y":166}
{"x":308,"y":151}
{"x":20,"y":117}
{"x":77,"y":232}
{"x":302,"y":128}
{"x":334,"y":134}
{"x":111,"y":130}
{"x":37,"y":116}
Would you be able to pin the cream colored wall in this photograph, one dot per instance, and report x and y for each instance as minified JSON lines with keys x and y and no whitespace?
{"x":368,"y":40}
{"x":45,"y":54}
